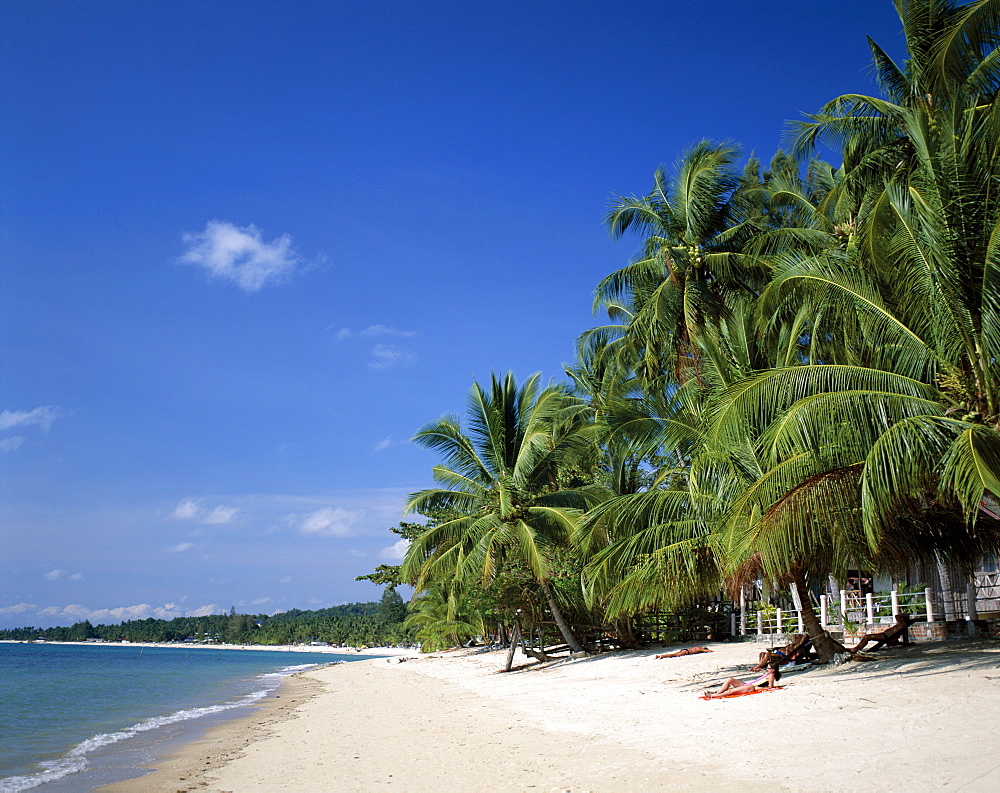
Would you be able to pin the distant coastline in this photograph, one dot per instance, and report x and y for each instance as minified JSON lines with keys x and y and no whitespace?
{"x":285,"y":648}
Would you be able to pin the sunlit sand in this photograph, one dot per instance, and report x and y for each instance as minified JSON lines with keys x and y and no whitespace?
{"x":921,"y":718}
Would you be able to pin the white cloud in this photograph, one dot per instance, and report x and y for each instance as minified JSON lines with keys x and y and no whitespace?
{"x":42,"y":416}
{"x":53,"y":575}
{"x":204,"y":611}
{"x":75,"y":612}
{"x":395,"y":552}
{"x":221,"y":515}
{"x":19,"y":608}
{"x":181,"y":547}
{"x":373,"y":330}
{"x":240,"y":254}
{"x":76,"y":577}
{"x":330,"y":521}
{"x":389,"y":356}
{"x":188,"y":509}
{"x":385,"y":443}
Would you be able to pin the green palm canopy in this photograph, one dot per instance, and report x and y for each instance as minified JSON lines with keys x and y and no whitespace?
{"x":501,"y":499}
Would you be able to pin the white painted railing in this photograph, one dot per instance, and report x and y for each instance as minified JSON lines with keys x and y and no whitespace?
{"x":978,"y":596}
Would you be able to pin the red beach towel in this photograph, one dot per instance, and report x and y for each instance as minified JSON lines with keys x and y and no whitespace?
{"x":745,"y":694}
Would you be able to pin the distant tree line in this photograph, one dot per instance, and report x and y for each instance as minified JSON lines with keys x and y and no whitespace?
{"x":352,"y":624}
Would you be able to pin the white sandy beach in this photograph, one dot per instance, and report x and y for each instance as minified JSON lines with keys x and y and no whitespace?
{"x":921,"y":718}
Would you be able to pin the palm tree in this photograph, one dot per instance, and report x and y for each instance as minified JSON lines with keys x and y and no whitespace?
{"x":690,"y":262}
{"x":655,"y":546}
{"x":439,"y":621}
{"x":501,"y":487}
{"x":917,"y":298}
{"x":882,"y":446}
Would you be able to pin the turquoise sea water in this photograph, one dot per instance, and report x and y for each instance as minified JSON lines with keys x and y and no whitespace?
{"x":73,"y":717}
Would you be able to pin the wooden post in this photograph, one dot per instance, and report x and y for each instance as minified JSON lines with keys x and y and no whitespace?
{"x":970,"y":604}
{"x":822,"y":611}
{"x":929,"y":603}
{"x":870,"y":608}
{"x":515,"y":639}
{"x":732,"y":623}
{"x":895,"y":601}
{"x":843,"y":603}
{"x":760,"y":623}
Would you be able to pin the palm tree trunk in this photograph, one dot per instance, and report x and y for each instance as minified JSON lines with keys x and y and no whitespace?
{"x":564,"y":629}
{"x":826,"y":646}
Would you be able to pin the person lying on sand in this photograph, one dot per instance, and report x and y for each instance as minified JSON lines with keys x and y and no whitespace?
{"x":685,"y":651}
{"x":782,"y":655}
{"x":733,"y":686}
{"x":891,"y":637}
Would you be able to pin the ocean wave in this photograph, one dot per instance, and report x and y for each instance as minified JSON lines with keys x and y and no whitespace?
{"x":75,"y":760}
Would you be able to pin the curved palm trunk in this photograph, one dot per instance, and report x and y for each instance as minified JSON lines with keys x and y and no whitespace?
{"x":826,"y":646}
{"x":564,"y":629}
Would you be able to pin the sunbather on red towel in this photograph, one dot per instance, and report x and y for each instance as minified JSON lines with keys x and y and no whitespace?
{"x":733,"y":686}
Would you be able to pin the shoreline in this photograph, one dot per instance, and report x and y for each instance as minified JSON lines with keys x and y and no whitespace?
{"x":921,"y":716}
{"x":108,"y":742}
{"x":282,"y":648}
{"x":187,"y":762}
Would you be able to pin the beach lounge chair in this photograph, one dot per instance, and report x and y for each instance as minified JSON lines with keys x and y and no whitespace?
{"x":797,"y":651}
{"x":891,"y":637}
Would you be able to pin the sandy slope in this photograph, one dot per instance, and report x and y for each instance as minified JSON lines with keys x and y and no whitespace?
{"x":923,"y":718}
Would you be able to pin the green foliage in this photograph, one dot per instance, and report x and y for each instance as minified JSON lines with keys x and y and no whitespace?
{"x":500,"y":505}
{"x":391,"y":608}
{"x":907,"y":603}
{"x":440,"y":619}
{"x":353,"y":624}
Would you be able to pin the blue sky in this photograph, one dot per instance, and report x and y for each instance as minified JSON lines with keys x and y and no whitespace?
{"x":248,"y":249}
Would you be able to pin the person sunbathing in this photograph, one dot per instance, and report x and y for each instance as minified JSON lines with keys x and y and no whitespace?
{"x":891,"y":637}
{"x":734,"y":686}
{"x":685,"y":651}
{"x":783,"y":655}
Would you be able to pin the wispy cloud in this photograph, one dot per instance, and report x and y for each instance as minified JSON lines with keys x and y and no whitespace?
{"x":385,"y":443}
{"x":241,"y":255}
{"x":189,"y":509}
{"x":42,"y":416}
{"x":186,"y":510}
{"x":221,"y":515}
{"x":75,"y":612}
{"x":384,"y":356}
{"x":39,"y":417}
{"x":329,"y":521}
{"x":373,"y":330}
{"x":19,"y":608}
{"x":55,"y":575}
{"x":181,"y":547}
{"x":389,"y":356}
{"x":395,"y":552}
